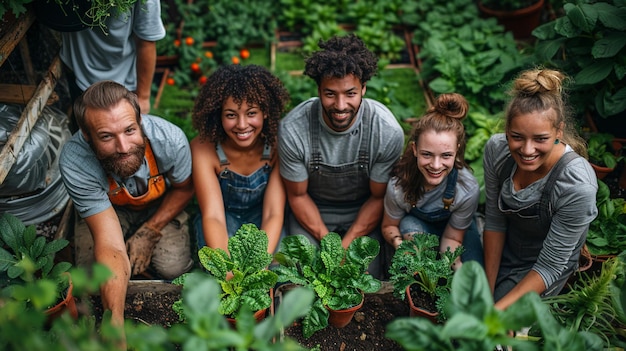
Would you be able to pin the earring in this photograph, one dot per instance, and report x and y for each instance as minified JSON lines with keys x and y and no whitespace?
{"x":556,"y":141}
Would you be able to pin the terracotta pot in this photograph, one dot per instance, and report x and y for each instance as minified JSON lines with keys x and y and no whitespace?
{"x":416,"y":311}
{"x":521,"y":22}
{"x":341,"y":318}
{"x":601,"y":172}
{"x":258,"y":316}
{"x":68,"y":304}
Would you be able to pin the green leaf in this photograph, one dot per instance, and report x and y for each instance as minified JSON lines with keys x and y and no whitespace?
{"x":11,"y":229}
{"x":608,"y":46}
{"x":594,"y":73}
{"x":54,"y":246}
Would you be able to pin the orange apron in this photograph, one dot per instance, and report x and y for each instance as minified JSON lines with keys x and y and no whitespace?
{"x":119,"y":195}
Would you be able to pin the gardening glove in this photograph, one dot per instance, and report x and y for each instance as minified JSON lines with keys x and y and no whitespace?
{"x":140,"y":246}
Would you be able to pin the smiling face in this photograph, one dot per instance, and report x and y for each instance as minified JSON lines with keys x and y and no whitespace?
{"x":531,"y":138}
{"x":341,"y":99}
{"x":243,"y":123}
{"x":436,"y":153}
{"x":116,"y":137}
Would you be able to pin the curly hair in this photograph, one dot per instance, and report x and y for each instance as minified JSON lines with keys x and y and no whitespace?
{"x":339,"y":57}
{"x":540,"y":90}
{"x":251,"y":83}
{"x":445,"y":116}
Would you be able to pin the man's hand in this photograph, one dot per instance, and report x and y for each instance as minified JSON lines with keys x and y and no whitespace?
{"x":140,"y":247}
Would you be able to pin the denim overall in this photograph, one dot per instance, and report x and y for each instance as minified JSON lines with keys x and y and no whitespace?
{"x":242,"y":195}
{"x":527,"y":228}
{"x":434,"y":222}
{"x":339,"y":191}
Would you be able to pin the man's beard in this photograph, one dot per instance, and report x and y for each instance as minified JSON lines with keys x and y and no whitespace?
{"x":113,"y":164}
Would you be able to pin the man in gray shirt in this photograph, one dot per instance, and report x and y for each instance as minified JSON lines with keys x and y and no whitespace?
{"x":337,"y":150}
{"x":129,"y":177}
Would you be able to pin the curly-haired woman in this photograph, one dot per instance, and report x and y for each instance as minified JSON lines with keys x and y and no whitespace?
{"x":235,"y":165}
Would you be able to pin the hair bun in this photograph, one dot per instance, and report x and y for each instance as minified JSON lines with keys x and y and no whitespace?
{"x":451,"y":105}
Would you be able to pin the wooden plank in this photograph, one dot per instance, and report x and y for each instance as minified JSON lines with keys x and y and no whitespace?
{"x":66,"y":221}
{"x":21,"y":94}
{"x":14,"y":35}
{"x":27,"y":120}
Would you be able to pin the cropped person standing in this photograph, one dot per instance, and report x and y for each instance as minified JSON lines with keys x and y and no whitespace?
{"x":129,"y":177}
{"x":235,"y":166}
{"x":337,"y":150}
{"x":432,"y":189}
{"x":541,"y":192}
{"x":124,"y":51}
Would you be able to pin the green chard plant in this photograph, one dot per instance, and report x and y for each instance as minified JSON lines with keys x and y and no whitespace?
{"x":418,"y":261}
{"x":242,"y":272}
{"x":475,"y":324}
{"x":607,"y":232}
{"x":338,"y":276}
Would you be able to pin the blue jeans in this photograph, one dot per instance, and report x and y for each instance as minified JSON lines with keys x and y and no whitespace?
{"x":471,"y":240}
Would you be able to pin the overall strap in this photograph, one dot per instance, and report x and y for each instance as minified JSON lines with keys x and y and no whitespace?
{"x":448,"y":195}
{"x":366,"y":131}
{"x":221,"y":155}
{"x":314,"y":127}
{"x":545,"y":206}
{"x":267,"y":151}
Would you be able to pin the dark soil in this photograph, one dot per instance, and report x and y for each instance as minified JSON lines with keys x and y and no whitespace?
{"x":366,"y":332}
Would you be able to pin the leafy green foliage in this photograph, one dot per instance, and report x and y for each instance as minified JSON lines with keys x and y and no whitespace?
{"x":242,"y":272}
{"x":467,"y":54}
{"x":371,"y":20}
{"x":607,"y":232}
{"x":589,"y":44}
{"x":418,"y":261}
{"x":474,"y":323}
{"x":600,"y":150}
{"x":204,"y":329}
{"x":479,"y":127}
{"x":337,"y":275}
{"x":17,"y":7}
{"x":28,"y":257}
{"x":590,"y":305}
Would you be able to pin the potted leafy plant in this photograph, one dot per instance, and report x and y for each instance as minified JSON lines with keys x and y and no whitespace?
{"x":607,"y":232}
{"x":518,"y":16}
{"x":338,"y":276}
{"x":602,"y":156}
{"x":475,"y":324}
{"x":241,"y":272}
{"x":26,"y":257}
{"x":417,"y":267}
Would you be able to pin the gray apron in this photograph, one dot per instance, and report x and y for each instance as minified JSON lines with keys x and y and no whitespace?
{"x":527,"y":228}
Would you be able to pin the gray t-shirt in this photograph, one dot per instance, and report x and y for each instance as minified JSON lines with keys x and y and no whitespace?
{"x":94,"y":55}
{"x":87,"y":182}
{"x":462,"y":209}
{"x":572,"y":199}
{"x":338,"y":148}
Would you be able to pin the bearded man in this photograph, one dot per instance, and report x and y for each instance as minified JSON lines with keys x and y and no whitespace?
{"x":129,"y":177}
